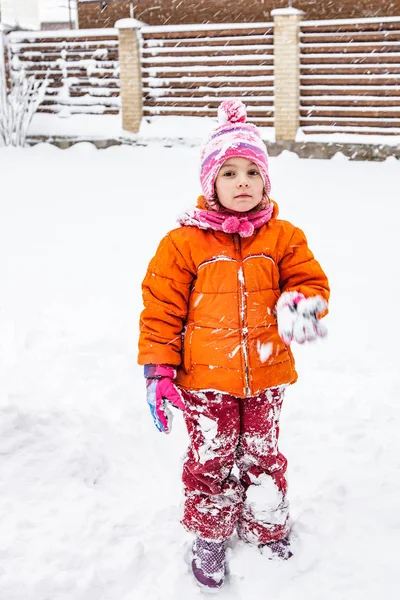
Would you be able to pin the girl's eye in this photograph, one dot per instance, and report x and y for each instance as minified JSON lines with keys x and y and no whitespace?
{"x":228,"y":174}
{"x":253,"y":172}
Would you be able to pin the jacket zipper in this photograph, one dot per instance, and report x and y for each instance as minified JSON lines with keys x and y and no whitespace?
{"x":242,"y":311}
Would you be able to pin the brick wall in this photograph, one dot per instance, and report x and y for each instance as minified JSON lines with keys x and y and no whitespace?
{"x":101,"y":14}
{"x":54,"y":26}
{"x":97,"y":13}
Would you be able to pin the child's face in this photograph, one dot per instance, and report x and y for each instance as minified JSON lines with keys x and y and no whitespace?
{"x":239,"y":185}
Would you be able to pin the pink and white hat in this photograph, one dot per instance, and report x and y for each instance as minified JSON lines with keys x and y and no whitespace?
{"x":233,"y":138}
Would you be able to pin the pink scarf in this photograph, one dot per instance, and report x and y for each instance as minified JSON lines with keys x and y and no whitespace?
{"x":234,"y":222}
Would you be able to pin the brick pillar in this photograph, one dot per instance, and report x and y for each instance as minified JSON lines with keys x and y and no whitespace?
{"x":287,"y":72}
{"x":130,"y":73}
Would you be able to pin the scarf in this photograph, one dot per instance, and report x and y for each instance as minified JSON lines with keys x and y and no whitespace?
{"x":232,"y":222}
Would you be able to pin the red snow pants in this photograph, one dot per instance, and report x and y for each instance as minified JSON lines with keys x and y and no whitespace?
{"x":228,"y":433}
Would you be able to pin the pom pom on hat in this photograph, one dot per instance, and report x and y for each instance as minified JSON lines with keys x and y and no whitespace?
{"x":234,"y":137}
{"x":232,"y":111}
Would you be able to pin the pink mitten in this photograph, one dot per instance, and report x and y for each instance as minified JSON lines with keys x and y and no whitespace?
{"x":160,"y":391}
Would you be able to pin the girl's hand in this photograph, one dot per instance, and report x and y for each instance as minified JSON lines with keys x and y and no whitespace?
{"x":297,"y":318}
{"x":160,"y":391}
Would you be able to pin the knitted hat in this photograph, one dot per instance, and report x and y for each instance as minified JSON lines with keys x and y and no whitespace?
{"x":233,"y":138}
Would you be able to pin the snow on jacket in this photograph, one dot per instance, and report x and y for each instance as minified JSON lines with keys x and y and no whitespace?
{"x":210,"y":300}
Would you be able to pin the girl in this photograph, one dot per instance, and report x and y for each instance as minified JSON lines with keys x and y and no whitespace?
{"x":224,"y":296}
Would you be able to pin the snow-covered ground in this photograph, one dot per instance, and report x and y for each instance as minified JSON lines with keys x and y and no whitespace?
{"x":87,"y":127}
{"x":90,"y":492}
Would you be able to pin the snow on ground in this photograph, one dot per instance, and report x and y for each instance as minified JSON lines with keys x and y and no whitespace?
{"x":87,"y":127}
{"x":189,"y":130}
{"x":109,"y":126}
{"x":90,"y":490}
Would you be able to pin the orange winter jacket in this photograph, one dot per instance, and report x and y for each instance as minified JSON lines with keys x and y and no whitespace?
{"x":210,"y":302}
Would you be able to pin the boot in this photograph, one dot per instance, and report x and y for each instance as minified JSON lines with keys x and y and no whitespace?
{"x":280,"y":549}
{"x":208,"y":563}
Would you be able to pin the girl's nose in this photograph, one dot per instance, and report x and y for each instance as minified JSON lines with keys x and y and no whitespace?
{"x":243,"y":181}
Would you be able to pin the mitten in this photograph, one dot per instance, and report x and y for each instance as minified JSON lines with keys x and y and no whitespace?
{"x":297,"y":317}
{"x":160,"y":390}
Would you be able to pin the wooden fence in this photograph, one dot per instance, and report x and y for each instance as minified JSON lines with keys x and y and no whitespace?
{"x":349,"y":71}
{"x":350,"y":76}
{"x":188,"y":69}
{"x":82,"y":68}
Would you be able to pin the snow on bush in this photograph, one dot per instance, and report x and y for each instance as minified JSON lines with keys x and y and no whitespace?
{"x":18,"y":105}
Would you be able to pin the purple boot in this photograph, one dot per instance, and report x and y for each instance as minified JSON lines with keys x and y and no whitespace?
{"x":279,"y":549}
{"x":208,"y":563}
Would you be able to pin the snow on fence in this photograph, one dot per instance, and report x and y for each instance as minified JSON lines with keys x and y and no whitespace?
{"x":350,"y":76}
{"x":81,"y":66}
{"x":350,"y":71}
{"x":187,"y":69}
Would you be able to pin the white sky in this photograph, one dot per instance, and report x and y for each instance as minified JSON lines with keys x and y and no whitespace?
{"x":56,"y":10}
{"x":30,"y":13}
